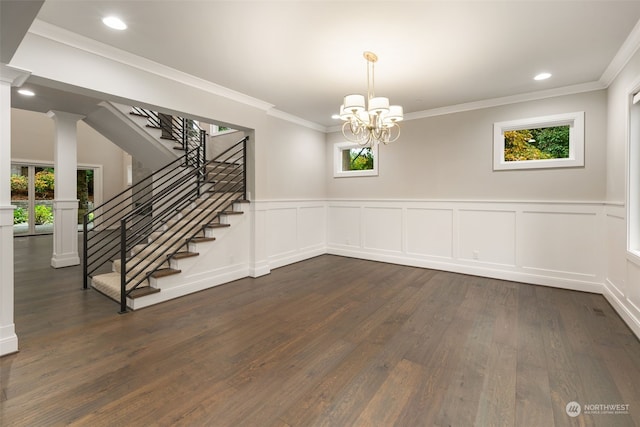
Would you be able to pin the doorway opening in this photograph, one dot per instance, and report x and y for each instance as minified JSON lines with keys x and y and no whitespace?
{"x":33,"y":192}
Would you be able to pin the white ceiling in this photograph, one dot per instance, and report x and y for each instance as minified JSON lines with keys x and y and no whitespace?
{"x":304,"y":56}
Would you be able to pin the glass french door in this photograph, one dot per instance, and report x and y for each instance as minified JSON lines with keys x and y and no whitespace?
{"x":20,"y":197}
{"x":33,"y":191}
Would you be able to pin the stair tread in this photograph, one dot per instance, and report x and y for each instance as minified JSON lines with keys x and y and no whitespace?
{"x":109,"y":285}
{"x":152,"y":126}
{"x":133,"y":113}
{"x":181,"y":255}
{"x":217,"y":225}
{"x":163,"y":272}
{"x":231,"y":213}
{"x":141,"y":292}
{"x":202,"y":239}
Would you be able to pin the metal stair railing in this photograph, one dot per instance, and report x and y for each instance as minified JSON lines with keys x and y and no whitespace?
{"x":175,"y":190}
{"x":99,"y":240}
{"x":184,"y":132}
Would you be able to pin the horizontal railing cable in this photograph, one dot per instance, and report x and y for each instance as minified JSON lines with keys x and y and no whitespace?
{"x":162,"y":213}
{"x":179,"y":238}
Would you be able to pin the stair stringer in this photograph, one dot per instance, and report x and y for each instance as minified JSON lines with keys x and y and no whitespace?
{"x":141,"y":122}
{"x":219,"y":261}
{"x":130,"y":136}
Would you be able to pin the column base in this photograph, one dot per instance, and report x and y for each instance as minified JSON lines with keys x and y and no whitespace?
{"x":8,"y":340}
{"x":65,"y":233}
{"x":65,"y":260}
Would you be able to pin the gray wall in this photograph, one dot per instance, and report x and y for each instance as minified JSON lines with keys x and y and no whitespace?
{"x":295,"y":161}
{"x":451,"y":157}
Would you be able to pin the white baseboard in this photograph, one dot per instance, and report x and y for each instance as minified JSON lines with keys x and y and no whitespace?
{"x":8,"y":340}
{"x":296,"y":256}
{"x":631,"y":319}
{"x":492,"y":271}
{"x":223,"y":276}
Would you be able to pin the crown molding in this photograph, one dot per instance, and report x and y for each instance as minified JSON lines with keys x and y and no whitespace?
{"x":295,"y":119}
{"x":506,"y":100}
{"x":622,"y":57}
{"x":77,"y":41}
{"x":496,"y":102}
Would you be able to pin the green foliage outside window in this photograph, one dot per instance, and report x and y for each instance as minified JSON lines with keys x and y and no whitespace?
{"x":20,"y":216}
{"x":44,"y":183}
{"x":537,"y":144}
{"x":44,"y":215}
{"x":19,"y":184}
{"x":358,"y":159}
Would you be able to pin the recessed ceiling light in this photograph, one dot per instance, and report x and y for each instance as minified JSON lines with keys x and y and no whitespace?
{"x":542,"y":76}
{"x":335,"y":116}
{"x":114,"y":22}
{"x":26,"y":92}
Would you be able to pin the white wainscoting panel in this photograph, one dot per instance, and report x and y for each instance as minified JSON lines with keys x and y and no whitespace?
{"x":560,"y":243}
{"x":556,"y":244}
{"x":312,"y":227}
{"x":295,"y":230}
{"x":616,"y":248}
{"x":429,"y":232}
{"x":282,"y":228}
{"x":344,"y":226}
{"x":487,"y":236}
{"x":633,"y":292}
{"x":383,"y":229}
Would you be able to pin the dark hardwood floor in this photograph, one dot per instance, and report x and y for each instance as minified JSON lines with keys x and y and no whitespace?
{"x":329,"y":341}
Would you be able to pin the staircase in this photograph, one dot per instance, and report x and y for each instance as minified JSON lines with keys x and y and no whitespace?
{"x":161,"y":238}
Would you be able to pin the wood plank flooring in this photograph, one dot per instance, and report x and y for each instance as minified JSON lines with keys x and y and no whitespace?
{"x":330,"y":341}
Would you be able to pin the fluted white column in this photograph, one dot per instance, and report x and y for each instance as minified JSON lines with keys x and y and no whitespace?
{"x":9,"y":76}
{"x":65,"y":203}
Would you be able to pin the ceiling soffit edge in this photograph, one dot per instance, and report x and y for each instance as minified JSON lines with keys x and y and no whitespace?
{"x":13,"y":75}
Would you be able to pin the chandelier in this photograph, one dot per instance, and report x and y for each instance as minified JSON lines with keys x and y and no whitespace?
{"x":374,"y":122}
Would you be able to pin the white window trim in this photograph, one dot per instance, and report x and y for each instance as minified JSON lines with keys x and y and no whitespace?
{"x":633,"y":174}
{"x":576,"y":141}
{"x":339,"y":147}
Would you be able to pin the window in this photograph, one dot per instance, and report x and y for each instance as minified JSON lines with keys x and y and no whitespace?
{"x":351,"y":159}
{"x":32,"y":192}
{"x":540,"y":142}
{"x":633,"y":177}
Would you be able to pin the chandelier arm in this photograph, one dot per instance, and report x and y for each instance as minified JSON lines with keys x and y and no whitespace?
{"x":394,"y":139}
{"x":356,"y":135}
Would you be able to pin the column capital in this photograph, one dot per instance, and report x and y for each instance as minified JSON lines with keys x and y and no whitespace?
{"x":63,"y":115}
{"x":13,"y":75}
